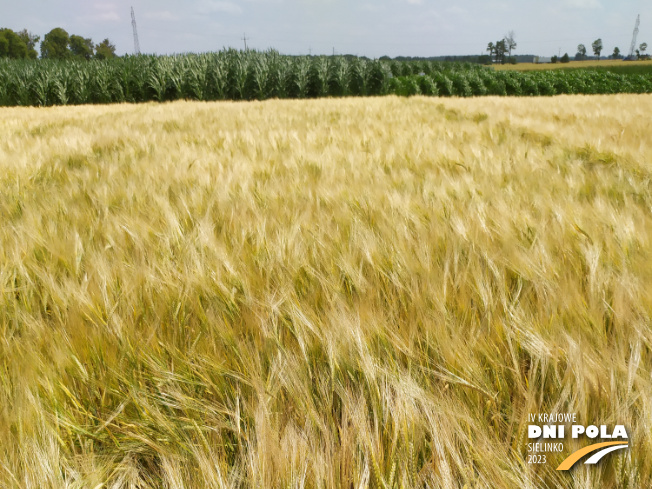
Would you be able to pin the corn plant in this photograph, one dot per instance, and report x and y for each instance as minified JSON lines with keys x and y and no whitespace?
{"x":379,"y":76}
{"x":158,"y":79}
{"x":512,"y":83}
{"x":238,"y":65}
{"x":339,"y":79}
{"x":427,"y":86}
{"x":319,"y":70}
{"x":260,"y":77}
{"x":59,"y":87}
{"x":529,"y":85}
{"x":477,"y":85}
{"x":103,"y":84}
{"x":178,"y":70}
{"x":216,"y":78}
{"x":359,"y":77}
{"x":22,"y":89}
{"x":444,"y":84}
{"x":300,"y":77}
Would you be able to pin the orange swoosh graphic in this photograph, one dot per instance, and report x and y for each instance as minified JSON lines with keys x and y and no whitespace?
{"x":575,"y":456}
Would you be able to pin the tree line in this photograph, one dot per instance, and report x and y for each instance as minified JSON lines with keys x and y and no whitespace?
{"x":597,"y":50}
{"x":597,"y":47}
{"x":501,"y":51}
{"x":57,"y":44}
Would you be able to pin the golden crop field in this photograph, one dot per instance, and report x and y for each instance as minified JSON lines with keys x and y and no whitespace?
{"x":327,"y":293}
{"x":593,"y":63}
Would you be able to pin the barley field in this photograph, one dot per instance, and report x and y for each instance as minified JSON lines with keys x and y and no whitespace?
{"x":331,"y":293}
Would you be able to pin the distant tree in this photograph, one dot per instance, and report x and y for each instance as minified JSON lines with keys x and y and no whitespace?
{"x":565,"y":58}
{"x":106,"y":50}
{"x":11,"y":45}
{"x":80,"y":47}
{"x":55,"y":44}
{"x":597,"y":47}
{"x":501,"y":49}
{"x":616,"y":53}
{"x":638,"y":54}
{"x":643,"y":48}
{"x":491,"y":48}
{"x":581,"y":52}
{"x":498,"y":51}
{"x":30,"y":41}
{"x":510,"y":42}
{"x":554,"y":59}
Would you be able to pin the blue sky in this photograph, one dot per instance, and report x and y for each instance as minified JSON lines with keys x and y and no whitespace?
{"x":370,"y":28}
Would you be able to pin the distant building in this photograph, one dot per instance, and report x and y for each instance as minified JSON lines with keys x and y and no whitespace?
{"x":542,"y":59}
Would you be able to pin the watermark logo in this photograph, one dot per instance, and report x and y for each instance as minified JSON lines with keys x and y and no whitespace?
{"x":547,"y":433}
{"x":601,"y":448}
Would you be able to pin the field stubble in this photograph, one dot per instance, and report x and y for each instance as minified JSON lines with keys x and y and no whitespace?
{"x":325,"y":293}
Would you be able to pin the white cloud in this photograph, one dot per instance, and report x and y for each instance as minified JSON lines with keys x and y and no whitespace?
{"x":161,"y":15}
{"x":457,"y":10}
{"x":103,"y":13}
{"x":372,"y":7}
{"x":107,"y":17}
{"x":105,"y":6}
{"x":210,"y":6}
{"x":585,"y":4}
{"x":415,"y":2}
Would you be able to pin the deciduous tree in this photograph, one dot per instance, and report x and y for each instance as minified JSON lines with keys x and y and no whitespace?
{"x":105,"y":50}
{"x":501,"y":49}
{"x":30,"y":41}
{"x":81,"y":48}
{"x":55,"y":44}
{"x":597,"y":47}
{"x":11,"y":45}
{"x":510,"y":41}
{"x":491,"y":48}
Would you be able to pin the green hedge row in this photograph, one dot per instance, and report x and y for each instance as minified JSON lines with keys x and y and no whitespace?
{"x":237,"y":75}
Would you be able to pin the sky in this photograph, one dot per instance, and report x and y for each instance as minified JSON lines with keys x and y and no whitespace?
{"x":361,"y":27}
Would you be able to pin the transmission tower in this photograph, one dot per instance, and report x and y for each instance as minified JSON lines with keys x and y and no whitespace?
{"x":133,"y":24}
{"x":631,"y":49}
